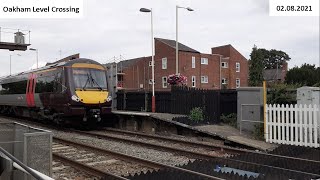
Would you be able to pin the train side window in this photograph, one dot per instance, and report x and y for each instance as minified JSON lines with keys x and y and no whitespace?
{"x":40,"y":85}
{"x":49,"y":84}
{"x":14,"y":87}
{"x":3,"y":89}
{"x":58,"y":83}
{"x":44,"y":84}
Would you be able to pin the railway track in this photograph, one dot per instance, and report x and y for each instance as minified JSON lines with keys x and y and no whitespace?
{"x":83,"y":159}
{"x":252,"y":158}
{"x":266,"y":163}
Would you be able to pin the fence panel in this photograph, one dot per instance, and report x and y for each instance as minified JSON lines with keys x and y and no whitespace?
{"x":228,"y":101}
{"x":184,"y":99}
{"x":120,"y":100}
{"x":181,"y":100}
{"x":163,"y":102}
{"x":292,"y":124}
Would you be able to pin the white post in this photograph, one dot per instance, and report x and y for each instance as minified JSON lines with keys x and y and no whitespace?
{"x":282,"y":124}
{"x":310,"y":123}
{"x":316,"y":113}
{"x":177,"y":51}
{"x":305,"y":120}
{"x":287,"y":123}
{"x":267,"y":122}
{"x":276,"y":120}
{"x":300,"y":124}
{"x":153,"y":105}
{"x":296,"y":123}
{"x":273,"y":122}
{"x":152,"y":57}
{"x":291,"y":123}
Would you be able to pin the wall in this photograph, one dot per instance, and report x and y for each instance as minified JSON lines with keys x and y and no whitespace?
{"x":139,"y":72}
{"x":231,"y":55}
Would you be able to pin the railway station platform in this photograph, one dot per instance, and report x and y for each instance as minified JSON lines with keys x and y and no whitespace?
{"x":222,"y":131}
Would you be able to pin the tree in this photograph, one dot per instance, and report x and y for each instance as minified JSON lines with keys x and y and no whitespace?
{"x":256,"y":67}
{"x":306,"y":75}
{"x":274,"y":59}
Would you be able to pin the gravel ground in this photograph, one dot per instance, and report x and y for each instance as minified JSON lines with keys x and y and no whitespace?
{"x":167,"y":158}
{"x":129,"y":149}
{"x":63,"y":172}
{"x":100,"y":161}
{"x":166,"y":143}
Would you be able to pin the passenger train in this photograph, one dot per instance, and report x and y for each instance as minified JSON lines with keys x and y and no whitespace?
{"x":73,"y":90}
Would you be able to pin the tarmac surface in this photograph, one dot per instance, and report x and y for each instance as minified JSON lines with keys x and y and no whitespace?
{"x":224,"y":131}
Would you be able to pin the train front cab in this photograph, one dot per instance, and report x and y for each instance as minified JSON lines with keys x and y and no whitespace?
{"x":89,"y":92}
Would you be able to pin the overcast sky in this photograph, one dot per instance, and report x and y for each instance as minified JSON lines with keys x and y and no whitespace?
{"x":116,"y":27}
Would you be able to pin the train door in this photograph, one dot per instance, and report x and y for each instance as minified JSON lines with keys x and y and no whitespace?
{"x":30,"y":90}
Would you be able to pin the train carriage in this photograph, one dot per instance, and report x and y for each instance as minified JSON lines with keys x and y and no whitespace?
{"x":74,"y":90}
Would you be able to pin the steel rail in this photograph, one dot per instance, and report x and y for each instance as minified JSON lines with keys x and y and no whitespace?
{"x":146,"y":162}
{"x":216,"y":147}
{"x":90,"y":170}
{"x":203,"y":155}
{"x":197,"y":144}
{"x":252,"y":152}
{"x":147,"y":144}
{"x":200,"y":144}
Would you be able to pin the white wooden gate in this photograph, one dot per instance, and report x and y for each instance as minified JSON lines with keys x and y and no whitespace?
{"x":293,"y":124}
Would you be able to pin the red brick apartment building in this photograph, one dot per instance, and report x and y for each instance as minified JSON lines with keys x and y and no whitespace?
{"x":225,"y":67}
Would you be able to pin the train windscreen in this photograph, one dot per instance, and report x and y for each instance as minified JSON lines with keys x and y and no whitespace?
{"x":89,"y":79}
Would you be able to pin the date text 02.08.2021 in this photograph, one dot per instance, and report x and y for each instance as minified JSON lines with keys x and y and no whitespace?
{"x":294,"y":8}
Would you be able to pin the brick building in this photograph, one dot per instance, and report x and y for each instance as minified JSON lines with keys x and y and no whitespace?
{"x":276,"y":75}
{"x":225,"y":67}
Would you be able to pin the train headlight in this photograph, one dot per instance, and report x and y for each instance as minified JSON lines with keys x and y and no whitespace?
{"x":109,"y":99}
{"x":75,"y":98}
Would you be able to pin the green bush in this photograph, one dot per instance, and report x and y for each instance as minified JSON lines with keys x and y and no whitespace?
{"x":230,"y":119}
{"x":282,"y":94}
{"x":196,"y":114}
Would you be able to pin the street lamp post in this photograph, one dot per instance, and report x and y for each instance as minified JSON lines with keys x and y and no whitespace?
{"x":177,"y":51}
{"x":152,"y":58}
{"x":32,"y":49}
{"x":10,"y":60}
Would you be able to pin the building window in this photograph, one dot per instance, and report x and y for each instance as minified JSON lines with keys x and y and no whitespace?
{"x":164,"y":82}
{"x":237,"y":67}
{"x":193,"y":80}
{"x":237,"y":83}
{"x":224,"y":81}
{"x":204,"y":79}
{"x":224,"y":64}
{"x":193,"y":62}
{"x":164,"y":63}
{"x":204,"y":61}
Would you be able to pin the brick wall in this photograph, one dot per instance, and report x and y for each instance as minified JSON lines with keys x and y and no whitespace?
{"x":230,"y":72}
{"x":139,"y":73}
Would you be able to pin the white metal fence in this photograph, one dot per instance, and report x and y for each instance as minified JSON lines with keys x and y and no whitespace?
{"x":293,"y":124}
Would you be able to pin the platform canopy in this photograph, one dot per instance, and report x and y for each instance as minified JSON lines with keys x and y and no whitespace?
{"x":13,"y":46}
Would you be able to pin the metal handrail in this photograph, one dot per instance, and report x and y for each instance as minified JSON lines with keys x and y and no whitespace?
{"x":12,"y":31}
{"x":22,"y":167}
